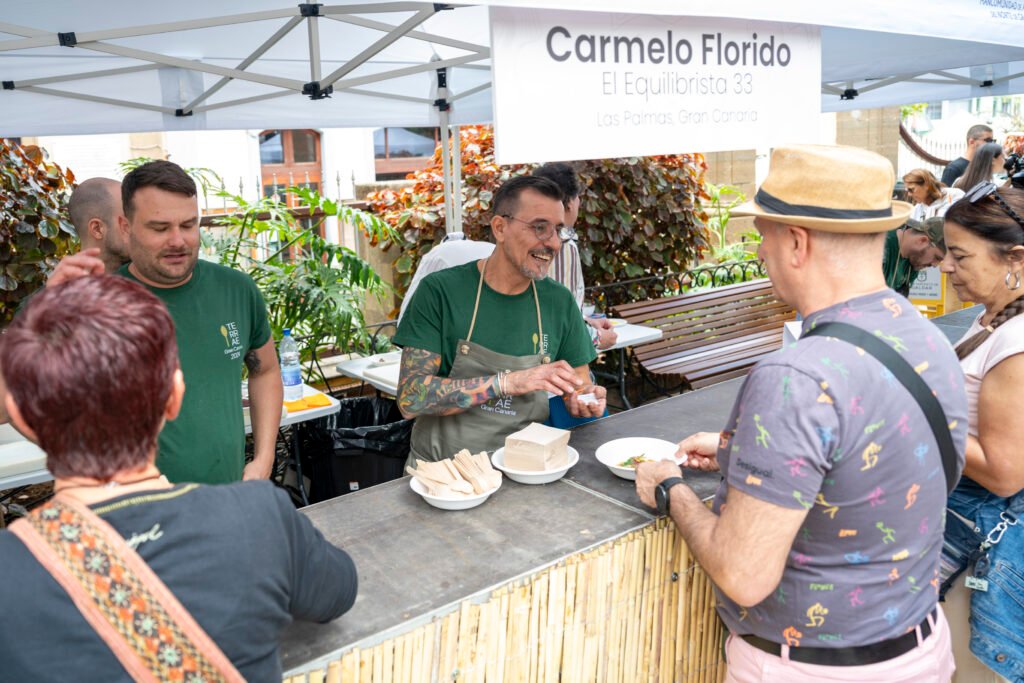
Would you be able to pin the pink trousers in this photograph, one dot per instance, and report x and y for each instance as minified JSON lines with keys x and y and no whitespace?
{"x":930,"y":662}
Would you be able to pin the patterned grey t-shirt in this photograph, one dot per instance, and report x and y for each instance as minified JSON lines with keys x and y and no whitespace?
{"x":822,"y":426}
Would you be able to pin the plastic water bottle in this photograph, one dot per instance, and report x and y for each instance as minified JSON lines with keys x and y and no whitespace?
{"x":291,"y":371}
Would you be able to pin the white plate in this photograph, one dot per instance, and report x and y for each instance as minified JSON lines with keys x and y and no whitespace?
{"x":532,"y":476}
{"x":618,"y":321}
{"x":460,"y":503}
{"x":612,"y":453}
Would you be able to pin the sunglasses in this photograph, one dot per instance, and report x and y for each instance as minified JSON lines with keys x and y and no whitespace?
{"x":988,"y":189}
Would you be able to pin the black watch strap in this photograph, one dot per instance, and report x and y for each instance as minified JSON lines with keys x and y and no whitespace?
{"x":661,"y":493}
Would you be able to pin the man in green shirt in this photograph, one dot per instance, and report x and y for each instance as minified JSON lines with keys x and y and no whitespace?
{"x":485,"y":342}
{"x":909,"y":250}
{"x":220,"y":322}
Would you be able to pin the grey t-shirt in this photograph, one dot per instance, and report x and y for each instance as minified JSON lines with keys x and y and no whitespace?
{"x":822,"y":426}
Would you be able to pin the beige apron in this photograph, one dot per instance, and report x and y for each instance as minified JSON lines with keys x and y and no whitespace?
{"x":483,"y":427}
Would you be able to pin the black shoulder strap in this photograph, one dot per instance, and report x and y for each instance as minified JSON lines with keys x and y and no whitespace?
{"x":909,"y":378}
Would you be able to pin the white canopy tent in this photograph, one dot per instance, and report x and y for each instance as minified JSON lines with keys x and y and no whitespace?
{"x":134,"y":65}
{"x":193,"y":65}
{"x":130,"y":65}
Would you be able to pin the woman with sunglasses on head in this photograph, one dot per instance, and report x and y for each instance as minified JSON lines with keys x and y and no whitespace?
{"x":987,"y":161}
{"x":984,"y":234}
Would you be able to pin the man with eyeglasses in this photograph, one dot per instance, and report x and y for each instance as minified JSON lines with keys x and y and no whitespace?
{"x":977,"y":135}
{"x":484,"y":342}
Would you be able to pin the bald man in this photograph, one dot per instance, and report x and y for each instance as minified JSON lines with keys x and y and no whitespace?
{"x":94,"y":208}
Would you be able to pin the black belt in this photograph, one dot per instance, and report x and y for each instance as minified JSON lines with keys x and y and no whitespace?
{"x":848,"y":656}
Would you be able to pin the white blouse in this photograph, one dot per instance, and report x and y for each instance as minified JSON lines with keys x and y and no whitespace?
{"x":1006,"y":341}
{"x":939,"y":206}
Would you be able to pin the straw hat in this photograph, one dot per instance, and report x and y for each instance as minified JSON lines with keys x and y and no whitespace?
{"x":829,"y":188}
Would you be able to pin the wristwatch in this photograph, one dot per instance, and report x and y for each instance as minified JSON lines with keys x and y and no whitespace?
{"x":661,"y":493}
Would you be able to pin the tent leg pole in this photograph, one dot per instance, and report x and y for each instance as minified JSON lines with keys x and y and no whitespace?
{"x":446,"y":166}
{"x":446,"y":159}
{"x":457,"y":178}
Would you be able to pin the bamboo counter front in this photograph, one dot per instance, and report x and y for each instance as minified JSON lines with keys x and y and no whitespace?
{"x":574,"y":581}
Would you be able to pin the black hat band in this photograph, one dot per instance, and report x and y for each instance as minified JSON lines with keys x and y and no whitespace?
{"x":775,"y":205}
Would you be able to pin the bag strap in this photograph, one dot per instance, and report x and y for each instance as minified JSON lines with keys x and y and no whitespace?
{"x":146,"y":627}
{"x":909,"y":378}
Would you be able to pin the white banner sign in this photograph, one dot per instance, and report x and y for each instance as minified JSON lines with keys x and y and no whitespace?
{"x":585,"y":85}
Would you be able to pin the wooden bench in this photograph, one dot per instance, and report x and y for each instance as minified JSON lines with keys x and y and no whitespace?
{"x":709,"y":336}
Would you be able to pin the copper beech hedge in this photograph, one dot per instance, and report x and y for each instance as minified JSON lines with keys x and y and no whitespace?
{"x":638,"y":216}
{"x":34,"y":229}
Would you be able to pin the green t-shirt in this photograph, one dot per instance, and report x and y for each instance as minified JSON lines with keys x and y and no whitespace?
{"x":899,"y":274}
{"x":219,"y":316}
{"x":442,"y":307}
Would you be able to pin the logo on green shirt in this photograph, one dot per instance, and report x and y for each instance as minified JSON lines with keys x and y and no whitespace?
{"x":232,"y":340}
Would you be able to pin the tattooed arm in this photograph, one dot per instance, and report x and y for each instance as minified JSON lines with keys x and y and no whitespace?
{"x":422,"y":392}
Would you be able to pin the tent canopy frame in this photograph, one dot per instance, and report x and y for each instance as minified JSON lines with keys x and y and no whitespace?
{"x":318,"y":87}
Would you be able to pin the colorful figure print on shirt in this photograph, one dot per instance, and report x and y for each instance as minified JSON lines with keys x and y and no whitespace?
{"x":823,"y":428}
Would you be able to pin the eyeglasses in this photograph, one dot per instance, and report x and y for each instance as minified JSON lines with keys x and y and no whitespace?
{"x":544,"y":230}
{"x":988,"y":189}
{"x":990,"y":139}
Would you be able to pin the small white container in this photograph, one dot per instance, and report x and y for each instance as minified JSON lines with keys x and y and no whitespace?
{"x":533,"y":476}
{"x":460,"y":503}
{"x":612,"y":453}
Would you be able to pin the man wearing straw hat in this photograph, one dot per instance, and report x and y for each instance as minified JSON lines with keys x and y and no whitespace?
{"x":823,"y":539}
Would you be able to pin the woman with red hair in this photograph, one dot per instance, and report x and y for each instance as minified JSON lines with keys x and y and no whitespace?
{"x":125,"y":575}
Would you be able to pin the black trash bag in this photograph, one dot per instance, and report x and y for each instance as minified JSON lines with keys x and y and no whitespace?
{"x":364,"y":444}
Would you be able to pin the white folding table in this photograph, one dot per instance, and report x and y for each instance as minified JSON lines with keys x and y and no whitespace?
{"x":379,"y":370}
{"x":627,"y":335}
{"x":289,"y":418}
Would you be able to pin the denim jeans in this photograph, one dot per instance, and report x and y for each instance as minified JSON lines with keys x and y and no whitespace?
{"x":997,"y":614}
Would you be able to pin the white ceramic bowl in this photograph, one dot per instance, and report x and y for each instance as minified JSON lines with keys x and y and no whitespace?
{"x":460,"y":503}
{"x":612,"y":453}
{"x":533,"y":476}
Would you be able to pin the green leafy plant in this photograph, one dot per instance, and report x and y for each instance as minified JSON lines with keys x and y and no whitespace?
{"x":312,"y":286}
{"x":34,"y":230}
{"x":908,"y":110}
{"x":208,"y":180}
{"x":638,"y":216}
{"x":722,"y":199}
